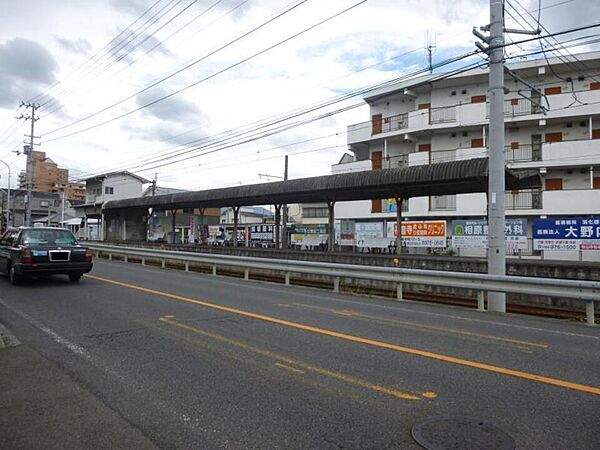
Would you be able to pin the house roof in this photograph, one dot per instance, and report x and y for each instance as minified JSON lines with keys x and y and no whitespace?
{"x":455,"y":177}
{"x":109,"y":174}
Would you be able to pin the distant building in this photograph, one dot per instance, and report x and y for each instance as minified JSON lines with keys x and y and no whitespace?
{"x":75,"y":191}
{"x":104,"y":187}
{"x":48,"y":177}
{"x":247,"y":214}
{"x":43,"y":204}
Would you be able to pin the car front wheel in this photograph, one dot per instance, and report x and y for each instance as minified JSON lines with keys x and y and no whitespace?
{"x":12,"y":276}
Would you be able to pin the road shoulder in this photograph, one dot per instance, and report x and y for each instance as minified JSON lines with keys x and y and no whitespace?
{"x":42,"y":407}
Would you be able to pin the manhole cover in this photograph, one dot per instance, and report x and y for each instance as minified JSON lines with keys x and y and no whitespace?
{"x":460,"y":433}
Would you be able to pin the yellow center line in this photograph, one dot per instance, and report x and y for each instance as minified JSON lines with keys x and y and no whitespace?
{"x":419,"y":325}
{"x":371,"y":342}
{"x":308,"y":367}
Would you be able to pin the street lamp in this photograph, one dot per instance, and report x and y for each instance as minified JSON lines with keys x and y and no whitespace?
{"x":7,"y":193}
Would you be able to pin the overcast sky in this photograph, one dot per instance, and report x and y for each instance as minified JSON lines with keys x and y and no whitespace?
{"x":78,"y":57}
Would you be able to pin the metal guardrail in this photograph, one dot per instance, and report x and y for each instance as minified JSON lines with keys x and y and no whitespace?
{"x":588,"y":291}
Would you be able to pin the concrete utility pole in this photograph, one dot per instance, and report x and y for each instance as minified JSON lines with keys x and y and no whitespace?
{"x":284,"y":240}
{"x":7,"y":194}
{"x":28,"y":150}
{"x":496,"y":167}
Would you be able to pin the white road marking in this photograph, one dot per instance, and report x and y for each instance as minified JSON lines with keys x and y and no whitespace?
{"x":61,"y":340}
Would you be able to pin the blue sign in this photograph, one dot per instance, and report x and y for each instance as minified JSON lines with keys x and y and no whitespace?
{"x":579,"y":233}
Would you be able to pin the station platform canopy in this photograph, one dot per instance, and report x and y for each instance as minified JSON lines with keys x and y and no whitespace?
{"x":455,"y":177}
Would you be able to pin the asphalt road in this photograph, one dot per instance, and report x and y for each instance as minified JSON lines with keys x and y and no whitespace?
{"x":194,"y":361}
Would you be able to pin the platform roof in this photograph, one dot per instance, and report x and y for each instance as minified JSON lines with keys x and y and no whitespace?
{"x":456,"y":177}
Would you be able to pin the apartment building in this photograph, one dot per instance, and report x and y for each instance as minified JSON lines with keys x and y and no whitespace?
{"x":47,"y":176}
{"x":553,"y":128}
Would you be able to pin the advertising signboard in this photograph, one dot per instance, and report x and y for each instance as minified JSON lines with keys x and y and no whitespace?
{"x":347,"y":232}
{"x":299,"y":232}
{"x":563,"y":234}
{"x":424,"y":234}
{"x":263,"y":233}
{"x":367,"y":230}
{"x":474,"y":234}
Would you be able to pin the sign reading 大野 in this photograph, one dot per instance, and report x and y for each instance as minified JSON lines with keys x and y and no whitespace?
{"x":424,"y":234}
{"x":579,"y":233}
{"x":474,"y":234}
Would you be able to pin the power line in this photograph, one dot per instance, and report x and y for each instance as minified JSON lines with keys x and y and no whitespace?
{"x":155,"y":83}
{"x":39,"y":97}
{"x":114,"y":51}
{"x":209,"y":144}
{"x":229,"y":135}
{"x":212,"y":147}
{"x":134,"y":47}
{"x":321,"y":84}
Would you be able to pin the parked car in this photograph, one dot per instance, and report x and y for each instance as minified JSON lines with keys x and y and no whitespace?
{"x":29,"y":251}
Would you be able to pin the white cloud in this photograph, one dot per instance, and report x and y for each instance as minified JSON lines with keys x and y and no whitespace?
{"x":315,"y":66}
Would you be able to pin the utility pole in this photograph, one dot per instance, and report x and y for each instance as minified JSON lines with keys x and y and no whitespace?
{"x":429,"y":49}
{"x":28,"y":150}
{"x":496,"y":167}
{"x":154,"y":184}
{"x":284,"y":240}
{"x":7,"y":195}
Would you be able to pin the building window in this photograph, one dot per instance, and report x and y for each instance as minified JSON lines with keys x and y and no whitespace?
{"x":315,"y":212}
{"x":554,"y":184}
{"x":109,"y":190}
{"x":442,"y":202}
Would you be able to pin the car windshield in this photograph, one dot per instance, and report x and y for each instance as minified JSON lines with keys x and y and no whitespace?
{"x":48,"y":237}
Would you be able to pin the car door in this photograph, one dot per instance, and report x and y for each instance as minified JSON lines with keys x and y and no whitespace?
{"x":6,"y":243}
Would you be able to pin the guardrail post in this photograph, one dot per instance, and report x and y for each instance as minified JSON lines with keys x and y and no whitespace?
{"x":336,"y":284}
{"x":163,"y":263}
{"x":399,"y":292}
{"x":287,"y":278}
{"x":143,"y":261}
{"x":110,"y":256}
{"x":589,"y":313}
{"x":481,"y":301}
{"x":125,"y":258}
{"x":214,"y":269}
{"x":246,"y":274}
{"x":187,"y":266}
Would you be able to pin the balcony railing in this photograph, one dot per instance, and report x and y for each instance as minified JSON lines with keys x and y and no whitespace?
{"x":394,"y":123}
{"x":442,"y":202}
{"x":525,"y":199}
{"x":523,"y":152}
{"x":517,"y":107}
{"x":442,"y":115}
{"x":441,"y":156}
{"x":393,"y":162}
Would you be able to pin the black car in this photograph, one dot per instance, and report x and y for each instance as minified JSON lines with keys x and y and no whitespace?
{"x":28,"y":251}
